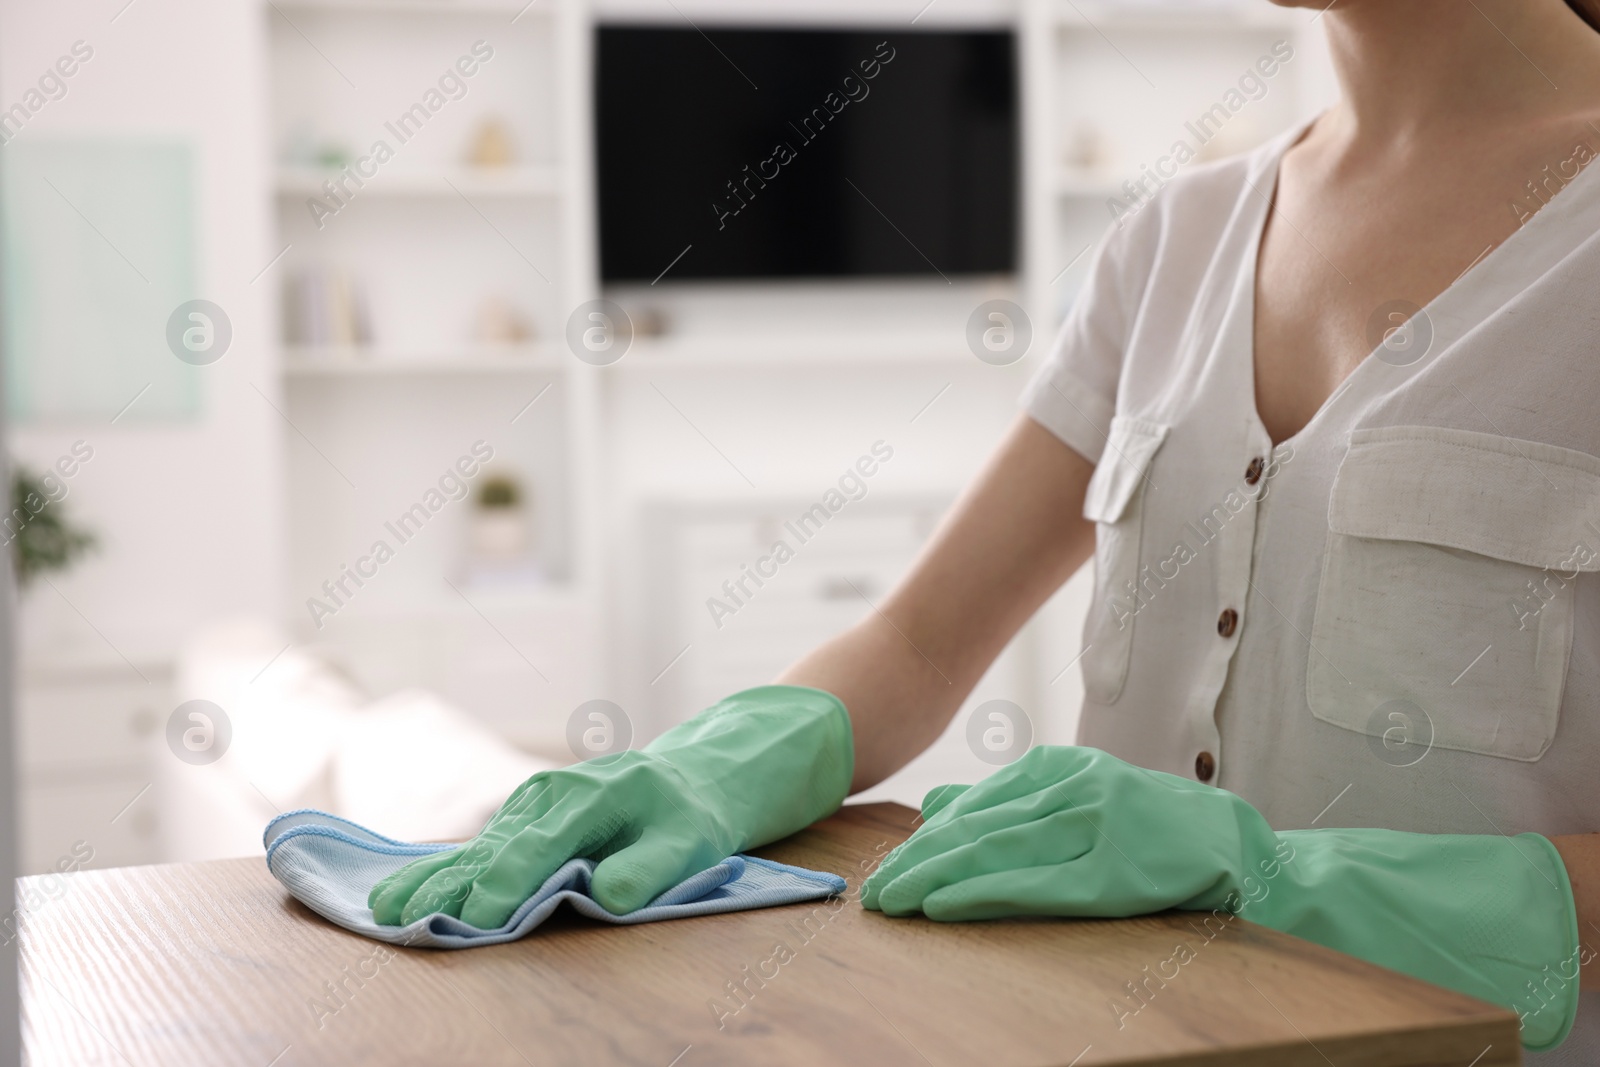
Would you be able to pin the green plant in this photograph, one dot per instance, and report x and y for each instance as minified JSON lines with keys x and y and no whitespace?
{"x":499,"y":492}
{"x":42,"y":536}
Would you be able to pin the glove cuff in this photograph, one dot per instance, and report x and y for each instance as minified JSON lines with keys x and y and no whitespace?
{"x":1492,"y":917}
{"x":1548,"y":1004}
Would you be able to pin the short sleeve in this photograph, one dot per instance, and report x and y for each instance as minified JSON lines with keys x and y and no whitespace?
{"x":1074,"y":394}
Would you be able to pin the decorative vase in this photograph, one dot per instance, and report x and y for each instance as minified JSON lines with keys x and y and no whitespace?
{"x":499,"y":534}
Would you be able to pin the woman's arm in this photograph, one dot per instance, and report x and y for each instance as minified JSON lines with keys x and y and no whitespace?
{"x":771,"y":760}
{"x":1581,"y":854}
{"x":1013,"y":538}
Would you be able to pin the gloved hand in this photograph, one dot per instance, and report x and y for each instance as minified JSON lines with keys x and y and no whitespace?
{"x":751,"y":769}
{"x":1074,"y":831}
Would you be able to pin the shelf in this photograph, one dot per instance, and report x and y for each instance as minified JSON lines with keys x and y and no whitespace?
{"x":1085,"y":184}
{"x":796,"y":351}
{"x":300,"y":362}
{"x":493,"y":601}
{"x":519,"y":8}
{"x":1181,"y":16}
{"x":676,"y":353}
{"x":532,"y":180}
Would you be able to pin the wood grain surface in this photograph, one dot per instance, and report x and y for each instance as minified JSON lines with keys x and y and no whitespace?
{"x":214,"y":964}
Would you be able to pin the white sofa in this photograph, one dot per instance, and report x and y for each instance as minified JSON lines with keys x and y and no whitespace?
{"x":407,"y":765}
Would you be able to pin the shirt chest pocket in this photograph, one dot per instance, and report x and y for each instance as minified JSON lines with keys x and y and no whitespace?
{"x":1445,"y":611}
{"x":1114,"y":500}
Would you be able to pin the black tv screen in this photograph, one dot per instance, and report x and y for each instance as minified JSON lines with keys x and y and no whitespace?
{"x":787,"y":153}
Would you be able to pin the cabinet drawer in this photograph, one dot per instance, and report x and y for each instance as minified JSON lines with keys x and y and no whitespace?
{"x":88,"y":724}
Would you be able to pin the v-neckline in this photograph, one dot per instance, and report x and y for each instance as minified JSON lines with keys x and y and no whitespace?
{"x":1245,"y":300}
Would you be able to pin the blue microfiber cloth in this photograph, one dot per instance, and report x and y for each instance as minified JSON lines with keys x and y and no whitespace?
{"x":330,"y":865}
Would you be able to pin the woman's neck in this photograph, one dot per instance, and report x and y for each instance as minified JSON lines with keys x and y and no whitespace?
{"x":1415,"y":70}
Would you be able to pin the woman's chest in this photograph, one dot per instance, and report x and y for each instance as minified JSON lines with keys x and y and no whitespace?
{"x":1348,"y":260}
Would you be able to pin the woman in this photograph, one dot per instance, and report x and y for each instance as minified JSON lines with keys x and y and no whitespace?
{"x":1343,"y":567}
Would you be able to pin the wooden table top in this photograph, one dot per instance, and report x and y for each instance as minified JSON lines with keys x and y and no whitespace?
{"x":215,"y":964}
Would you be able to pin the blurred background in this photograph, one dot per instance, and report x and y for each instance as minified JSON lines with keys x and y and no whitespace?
{"x":407,"y":395}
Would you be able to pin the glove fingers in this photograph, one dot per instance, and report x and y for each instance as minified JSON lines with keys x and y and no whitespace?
{"x":531,"y":800}
{"x":1038,"y":769}
{"x":953,"y":828}
{"x":391,"y":896}
{"x":1056,"y":839}
{"x":1091,"y":876}
{"x":1098,"y":885}
{"x":444,"y":891}
{"x":629,"y":879}
{"x":388,"y":898}
{"x":938,"y":797}
{"x":1046,"y":890}
{"x":529,"y":858}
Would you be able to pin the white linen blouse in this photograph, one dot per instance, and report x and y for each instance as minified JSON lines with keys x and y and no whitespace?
{"x":1391,"y":618}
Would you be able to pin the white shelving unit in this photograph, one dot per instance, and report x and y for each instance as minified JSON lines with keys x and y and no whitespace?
{"x":350,"y":362}
{"x":518,"y":8}
{"x":430,"y":237}
{"x":1119,"y":81}
{"x":507,"y":181}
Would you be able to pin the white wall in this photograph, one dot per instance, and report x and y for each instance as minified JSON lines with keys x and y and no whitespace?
{"x":188,"y":514}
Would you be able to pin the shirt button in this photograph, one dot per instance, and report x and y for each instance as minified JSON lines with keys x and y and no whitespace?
{"x":1252,"y":473}
{"x":1205,"y":766}
{"x":1227,"y":622}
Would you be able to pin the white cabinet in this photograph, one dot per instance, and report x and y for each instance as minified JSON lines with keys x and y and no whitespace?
{"x":709,"y":559}
{"x":85,"y":736}
{"x":427,"y":246}
{"x":837,"y":576}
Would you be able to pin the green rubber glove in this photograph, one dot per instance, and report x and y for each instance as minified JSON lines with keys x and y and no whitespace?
{"x":756,"y":767}
{"x":1074,"y":831}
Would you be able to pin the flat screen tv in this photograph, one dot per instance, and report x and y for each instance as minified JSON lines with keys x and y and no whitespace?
{"x":759,"y":153}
